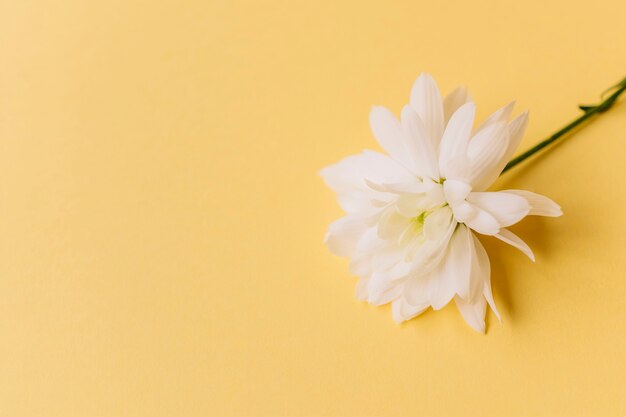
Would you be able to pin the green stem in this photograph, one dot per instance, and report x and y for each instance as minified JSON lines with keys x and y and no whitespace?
{"x":590,"y":111}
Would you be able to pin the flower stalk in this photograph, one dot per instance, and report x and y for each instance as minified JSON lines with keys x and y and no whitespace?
{"x":589,"y":112}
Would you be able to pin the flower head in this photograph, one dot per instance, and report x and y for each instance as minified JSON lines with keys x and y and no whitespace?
{"x":411,"y":215}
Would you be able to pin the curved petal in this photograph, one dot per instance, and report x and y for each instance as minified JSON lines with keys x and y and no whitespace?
{"x":350,"y":173}
{"x":344,"y":234}
{"x":473,"y":313}
{"x":453,"y":101}
{"x":401,"y":310}
{"x":512,"y":239}
{"x":426,"y":101}
{"x":464,"y":211}
{"x":419,"y":147}
{"x":455,"y":270}
{"x":453,"y":161}
{"x":414,"y":187}
{"x":539,"y":205}
{"x":481,"y":272}
{"x":455,"y":191}
{"x":348,"y":178}
{"x":517,"y":128}
{"x":506,"y":208}
{"x":480,"y":221}
{"x":438,"y":229}
{"x":417,"y":290}
{"x":499,"y":116}
{"x":382,"y":290}
{"x":388,"y":132}
{"x":361,"y":260}
{"x":408,"y":205}
{"x":437,"y":223}
{"x":485,"y":150}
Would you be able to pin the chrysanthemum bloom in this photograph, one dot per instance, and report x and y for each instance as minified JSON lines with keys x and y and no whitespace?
{"x":411,"y":215}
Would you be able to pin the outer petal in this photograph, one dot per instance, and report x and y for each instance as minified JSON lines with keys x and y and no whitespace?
{"x":453,"y":161}
{"x":512,"y":239}
{"x":499,"y":116}
{"x":481,"y":270}
{"x":473,"y":313}
{"x":453,"y":101}
{"x":417,"y":290}
{"x":348,"y":178}
{"x":382,"y":290}
{"x":419,"y":146}
{"x":486,"y":149}
{"x":539,"y":205}
{"x":426,"y":101}
{"x":388,"y":132}
{"x":350,"y":173}
{"x":344,"y":234}
{"x":506,"y":208}
{"x":517,"y":128}
{"x":369,"y":244}
{"x":401,"y":310}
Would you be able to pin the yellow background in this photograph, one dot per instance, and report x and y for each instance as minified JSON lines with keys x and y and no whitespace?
{"x":161,"y":219}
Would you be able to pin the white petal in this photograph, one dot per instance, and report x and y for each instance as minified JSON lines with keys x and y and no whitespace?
{"x":401,"y":310}
{"x":417,"y":290}
{"x":382,"y":290}
{"x":408,"y":205}
{"x":539,"y":205}
{"x":434,"y":192}
{"x":506,"y":208}
{"x":350,"y":173}
{"x":431,"y":252}
{"x":464,"y":211}
{"x":455,"y":191}
{"x":348,"y":178}
{"x":437,"y":223}
{"x":344,"y":234}
{"x":369,"y":244}
{"x":454,"y":273}
{"x":419,"y":146}
{"x":453,"y":161}
{"x":453,"y":101}
{"x":473,"y":313}
{"x":512,"y":239}
{"x":500,"y":115}
{"x":517,"y":128}
{"x":481,"y":272}
{"x":388,"y":132}
{"x":486,"y":149}
{"x":391,"y":224}
{"x":482,"y":221}
{"x":426,"y":101}
{"x":413,"y":187}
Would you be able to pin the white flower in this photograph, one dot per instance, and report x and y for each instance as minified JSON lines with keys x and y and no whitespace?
{"x":411,"y":215}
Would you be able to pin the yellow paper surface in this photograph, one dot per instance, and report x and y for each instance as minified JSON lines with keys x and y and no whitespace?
{"x":161,"y":219}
